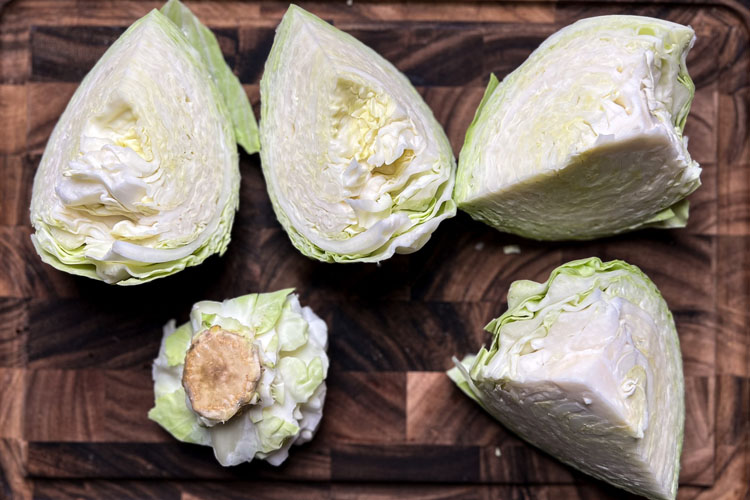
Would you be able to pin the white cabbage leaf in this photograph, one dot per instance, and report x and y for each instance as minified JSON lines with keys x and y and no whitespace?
{"x":587,"y":367}
{"x":585,"y":138}
{"x":356,"y":166}
{"x":140,"y":177}
{"x":291,"y":341}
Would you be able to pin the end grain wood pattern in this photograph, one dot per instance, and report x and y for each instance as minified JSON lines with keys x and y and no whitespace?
{"x":75,"y":354}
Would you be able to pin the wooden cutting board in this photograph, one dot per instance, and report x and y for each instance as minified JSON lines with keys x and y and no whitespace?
{"x":75,"y":354}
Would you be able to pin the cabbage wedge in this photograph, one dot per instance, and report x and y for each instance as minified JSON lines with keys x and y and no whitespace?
{"x":245,"y":376}
{"x":587,"y":367}
{"x":140,"y":177}
{"x":356,"y":166}
{"x":585,"y":138}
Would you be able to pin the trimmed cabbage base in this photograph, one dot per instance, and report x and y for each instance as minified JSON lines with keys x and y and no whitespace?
{"x":587,"y":367}
{"x":285,"y":404}
{"x":356,"y":166}
{"x":585,"y":138}
{"x":140,"y":177}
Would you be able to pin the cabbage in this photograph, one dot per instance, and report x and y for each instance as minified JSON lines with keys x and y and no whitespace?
{"x":584,"y":139}
{"x":356,"y":166}
{"x":587,"y":367}
{"x":140,"y":177}
{"x":286,"y":403}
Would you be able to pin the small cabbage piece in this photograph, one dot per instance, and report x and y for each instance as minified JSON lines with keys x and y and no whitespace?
{"x":584,"y":139}
{"x":245,"y":376}
{"x":356,"y":166}
{"x":587,"y":367}
{"x":140,"y":177}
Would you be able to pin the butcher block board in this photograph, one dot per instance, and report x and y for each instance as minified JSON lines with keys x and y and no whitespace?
{"x":75,"y":354}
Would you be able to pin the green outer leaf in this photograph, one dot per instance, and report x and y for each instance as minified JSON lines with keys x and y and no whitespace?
{"x":274,"y":431}
{"x":267,"y":309}
{"x":171,"y":412}
{"x":177,"y":344}
{"x":204,"y":41}
{"x":300,"y":379}
{"x":292,"y":330}
{"x":463,"y":176}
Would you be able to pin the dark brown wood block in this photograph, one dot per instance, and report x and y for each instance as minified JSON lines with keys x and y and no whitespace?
{"x":13,"y":483}
{"x":13,"y":332}
{"x":704,"y":203}
{"x":68,"y":53}
{"x":733,"y":101}
{"x":14,"y":46}
{"x":703,"y":66}
{"x":45,"y":489}
{"x":394,"y":11}
{"x":426,"y":54}
{"x":15,"y":190}
{"x":63,"y":405}
{"x":166,"y":490}
{"x":13,"y":124}
{"x":254,"y":44}
{"x":733,"y":206}
{"x":171,"y":460}
{"x":128,"y":396}
{"x":470,"y":264}
{"x":732,"y":422}
{"x":409,"y":337}
{"x":515,"y":462}
{"x":22,"y":274}
{"x":72,"y":13}
{"x":569,"y":12}
{"x":733,"y":305}
{"x":348,"y":491}
{"x":697,"y":466}
{"x":63,"y":334}
{"x":408,"y":463}
{"x":588,"y":490}
{"x":732,"y":344}
{"x":364,"y":408}
{"x":12,"y":414}
{"x":508,"y":45}
{"x":598,"y":491}
{"x":438,"y":413}
{"x":698,"y":349}
{"x":454,"y":108}
{"x":681,"y":265}
{"x":266,"y":260}
{"x":701,"y":126}
{"x":256,"y":490}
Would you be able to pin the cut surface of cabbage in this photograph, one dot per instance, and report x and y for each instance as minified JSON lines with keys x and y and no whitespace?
{"x":587,"y":367}
{"x":585,"y":138}
{"x":140,"y":177}
{"x":285,"y":404}
{"x":356,"y":166}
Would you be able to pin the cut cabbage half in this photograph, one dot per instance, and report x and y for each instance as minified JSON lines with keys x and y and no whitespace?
{"x":356,"y":165}
{"x":245,"y":376}
{"x":584,"y":139}
{"x":587,"y":367}
{"x":140,"y":177}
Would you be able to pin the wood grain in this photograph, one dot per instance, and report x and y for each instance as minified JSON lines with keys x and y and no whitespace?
{"x":13,"y":125}
{"x":15,"y":190}
{"x":75,"y":355}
